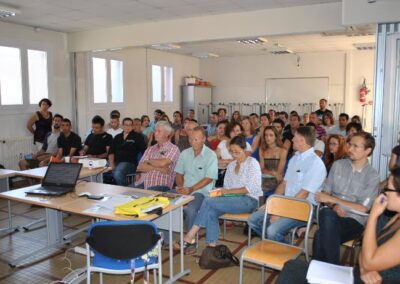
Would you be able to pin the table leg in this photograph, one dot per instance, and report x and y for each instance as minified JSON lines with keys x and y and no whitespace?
{"x":10,"y":228}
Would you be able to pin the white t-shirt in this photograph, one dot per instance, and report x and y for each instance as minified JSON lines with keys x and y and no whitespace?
{"x":114,"y":132}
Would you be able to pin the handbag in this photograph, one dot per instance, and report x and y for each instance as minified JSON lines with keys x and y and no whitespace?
{"x":217,"y":257}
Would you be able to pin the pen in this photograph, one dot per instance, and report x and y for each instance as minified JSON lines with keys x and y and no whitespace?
{"x":382,"y":200}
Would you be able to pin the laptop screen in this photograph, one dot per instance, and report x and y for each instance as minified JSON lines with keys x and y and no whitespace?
{"x":62,"y":174}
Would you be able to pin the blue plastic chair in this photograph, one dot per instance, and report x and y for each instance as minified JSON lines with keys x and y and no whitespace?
{"x":123,"y":247}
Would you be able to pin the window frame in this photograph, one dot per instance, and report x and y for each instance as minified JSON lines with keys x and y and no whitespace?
{"x":163,"y":85}
{"x":24,"y":46}
{"x":108,"y":57}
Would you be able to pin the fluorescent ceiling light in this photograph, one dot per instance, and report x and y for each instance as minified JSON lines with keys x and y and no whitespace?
{"x":165,"y":46}
{"x":204,"y":55}
{"x":251,"y":41}
{"x":8,"y":11}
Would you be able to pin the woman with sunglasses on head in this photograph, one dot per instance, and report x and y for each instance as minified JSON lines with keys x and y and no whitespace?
{"x":240,"y":193}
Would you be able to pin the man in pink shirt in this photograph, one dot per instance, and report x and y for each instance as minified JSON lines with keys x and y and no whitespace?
{"x":158,"y":162}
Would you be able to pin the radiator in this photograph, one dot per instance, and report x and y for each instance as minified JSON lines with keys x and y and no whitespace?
{"x":14,"y":149}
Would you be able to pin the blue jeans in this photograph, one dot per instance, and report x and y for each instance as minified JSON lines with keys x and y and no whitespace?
{"x":121,"y":170}
{"x":275,"y":231}
{"x":161,"y":188}
{"x":213,"y":208}
{"x":332,"y":232}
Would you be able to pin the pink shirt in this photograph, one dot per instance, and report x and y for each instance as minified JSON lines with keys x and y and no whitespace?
{"x":157,"y":152}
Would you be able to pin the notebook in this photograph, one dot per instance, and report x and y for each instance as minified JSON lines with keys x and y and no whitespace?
{"x":326,"y":273}
{"x":59,"y":180}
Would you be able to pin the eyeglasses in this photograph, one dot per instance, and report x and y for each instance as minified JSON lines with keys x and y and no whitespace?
{"x":235,"y":153}
{"x":389,"y":190}
{"x":351,"y":145}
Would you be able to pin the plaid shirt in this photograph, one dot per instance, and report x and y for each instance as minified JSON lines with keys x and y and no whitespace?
{"x":157,"y":152}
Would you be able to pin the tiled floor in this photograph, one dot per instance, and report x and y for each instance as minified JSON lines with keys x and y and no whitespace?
{"x":52,"y":265}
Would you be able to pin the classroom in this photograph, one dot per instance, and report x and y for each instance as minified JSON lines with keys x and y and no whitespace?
{"x":199,"y":141}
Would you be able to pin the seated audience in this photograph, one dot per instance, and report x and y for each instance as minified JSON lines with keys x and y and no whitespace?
{"x":114,"y":128}
{"x":352,"y":128}
{"x":328,"y":121}
{"x":212,"y":126}
{"x":190,"y":114}
{"x":306,"y":118}
{"x":254,"y":121}
{"x":279,"y":125}
{"x":319,"y":130}
{"x":356,"y":119}
{"x":69,"y":143}
{"x":147,"y":130}
{"x":196,"y":172}
{"x":49,"y":148}
{"x":303,"y":179}
{"x":272,"y":115}
{"x":236,"y":117}
{"x":124,"y":152}
{"x":98,"y":142}
{"x":182,"y":136}
{"x":222,"y":114}
{"x":157,"y":115}
{"x":340,"y":128}
{"x":374,"y":264}
{"x":319,"y":146}
{"x":264,"y":120}
{"x":352,"y":184}
{"x":240,"y":194}
{"x":395,"y":157}
{"x":42,"y":120}
{"x":250,"y":134}
{"x":158,"y":162}
{"x":288,"y":134}
{"x":337,"y":150}
{"x":283,"y":115}
{"x":223,"y":154}
{"x":178,"y":121}
{"x":137,"y":127}
{"x":272,"y":158}
{"x":220,"y":135}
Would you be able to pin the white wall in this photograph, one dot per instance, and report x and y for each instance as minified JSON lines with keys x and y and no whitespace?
{"x":242,"y":79}
{"x":13,"y":121}
{"x":137,"y":86}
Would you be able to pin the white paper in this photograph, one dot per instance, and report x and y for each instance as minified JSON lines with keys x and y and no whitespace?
{"x":325,"y":273}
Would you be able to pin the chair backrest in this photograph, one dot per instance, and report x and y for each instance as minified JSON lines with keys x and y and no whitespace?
{"x":288,"y":207}
{"x":123,"y":240}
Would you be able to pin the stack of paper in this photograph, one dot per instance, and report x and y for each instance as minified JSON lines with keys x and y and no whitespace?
{"x":326,"y":273}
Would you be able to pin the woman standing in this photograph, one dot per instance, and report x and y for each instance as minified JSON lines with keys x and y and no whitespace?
{"x":272,"y":158}
{"x":242,"y":188}
{"x":42,"y":120}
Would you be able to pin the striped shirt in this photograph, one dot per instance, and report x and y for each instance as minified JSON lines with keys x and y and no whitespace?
{"x":158,"y":152}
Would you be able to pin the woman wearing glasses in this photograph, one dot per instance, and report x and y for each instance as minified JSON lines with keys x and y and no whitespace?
{"x":240,"y":193}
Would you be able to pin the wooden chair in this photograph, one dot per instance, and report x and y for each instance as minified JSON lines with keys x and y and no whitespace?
{"x":268,"y":253}
{"x":236,"y":218}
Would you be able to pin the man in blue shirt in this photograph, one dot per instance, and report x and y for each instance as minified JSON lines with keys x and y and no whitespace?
{"x":304,"y":177}
{"x":213,"y":124}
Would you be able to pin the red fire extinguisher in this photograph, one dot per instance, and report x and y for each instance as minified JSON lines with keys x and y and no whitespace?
{"x":363,"y":93}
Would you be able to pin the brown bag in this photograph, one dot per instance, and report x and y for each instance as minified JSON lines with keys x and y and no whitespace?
{"x":217,"y":257}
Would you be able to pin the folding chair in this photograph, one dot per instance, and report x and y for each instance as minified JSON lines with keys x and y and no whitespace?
{"x":123,"y":247}
{"x":272,"y":254}
{"x":237,"y":218}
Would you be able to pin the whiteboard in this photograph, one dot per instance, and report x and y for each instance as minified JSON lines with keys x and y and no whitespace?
{"x":297,"y":90}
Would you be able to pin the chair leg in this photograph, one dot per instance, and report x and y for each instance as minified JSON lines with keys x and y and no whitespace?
{"x":197,"y":240}
{"x":241,"y":271}
{"x":87,"y":264}
{"x":224,"y":231}
{"x":101,"y":278}
{"x":154,"y":276}
{"x":262,"y":275}
{"x":249,"y":236}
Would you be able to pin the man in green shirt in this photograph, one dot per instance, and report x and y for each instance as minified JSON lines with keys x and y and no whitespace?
{"x":196,"y":172}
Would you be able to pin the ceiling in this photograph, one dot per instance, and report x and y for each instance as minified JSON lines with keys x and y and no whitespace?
{"x":296,"y":43}
{"x":82,"y":15}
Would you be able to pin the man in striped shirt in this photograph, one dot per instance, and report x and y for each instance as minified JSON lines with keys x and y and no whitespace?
{"x":158,"y":162}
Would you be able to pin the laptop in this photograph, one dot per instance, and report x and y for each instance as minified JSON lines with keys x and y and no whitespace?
{"x":59,"y":180}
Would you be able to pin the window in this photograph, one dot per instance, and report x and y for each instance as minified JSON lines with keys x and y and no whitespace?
{"x":162,"y":83}
{"x":10,"y":76}
{"x":23,"y":76}
{"x":37,"y":68}
{"x":108,"y":82}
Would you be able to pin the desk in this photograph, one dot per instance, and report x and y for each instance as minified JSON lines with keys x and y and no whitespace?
{"x":79,"y":205}
{"x":4,"y":186}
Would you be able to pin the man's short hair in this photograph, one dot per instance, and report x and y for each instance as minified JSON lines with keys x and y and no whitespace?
{"x":215,"y":113}
{"x":308,"y":133}
{"x":159,"y":111}
{"x":280,"y":121}
{"x":97,"y":119}
{"x":295,"y":115}
{"x":200,"y":129}
{"x":369,"y":140}
{"x":253,"y":114}
{"x":166,"y":126}
{"x":45,"y":100}
{"x":272,"y":110}
{"x":66,"y":120}
{"x":58,"y":115}
{"x":325,"y":100}
{"x":285,"y":114}
{"x":115,"y":112}
{"x":191,"y":110}
{"x":128,"y":119}
{"x":266,"y":115}
{"x":223,"y":109}
{"x":114,"y":116}
{"x":355,"y":125}
{"x":343,"y":114}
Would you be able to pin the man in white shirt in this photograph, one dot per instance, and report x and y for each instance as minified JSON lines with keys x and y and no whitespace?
{"x":115,"y":128}
{"x":340,"y":128}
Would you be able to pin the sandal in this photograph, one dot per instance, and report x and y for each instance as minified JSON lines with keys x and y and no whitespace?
{"x":189,"y":248}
